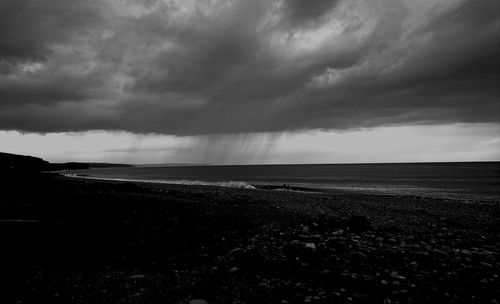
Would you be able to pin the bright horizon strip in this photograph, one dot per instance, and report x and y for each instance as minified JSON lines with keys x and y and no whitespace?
{"x":437,"y":143}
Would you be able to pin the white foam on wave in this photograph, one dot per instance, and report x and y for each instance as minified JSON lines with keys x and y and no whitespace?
{"x":229,"y":184}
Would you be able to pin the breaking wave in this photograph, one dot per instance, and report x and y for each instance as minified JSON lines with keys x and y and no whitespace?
{"x":229,"y":184}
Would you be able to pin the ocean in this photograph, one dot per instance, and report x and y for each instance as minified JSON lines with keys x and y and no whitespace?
{"x":471,"y":181}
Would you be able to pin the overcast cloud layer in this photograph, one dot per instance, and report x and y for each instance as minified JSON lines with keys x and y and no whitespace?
{"x":206,"y":67}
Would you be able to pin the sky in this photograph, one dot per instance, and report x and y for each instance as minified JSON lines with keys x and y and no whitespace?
{"x":250,"y":81}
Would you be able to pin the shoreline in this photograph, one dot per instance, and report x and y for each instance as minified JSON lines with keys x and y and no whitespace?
{"x":462,"y":198}
{"x":228,"y":184}
{"x":93,"y":241}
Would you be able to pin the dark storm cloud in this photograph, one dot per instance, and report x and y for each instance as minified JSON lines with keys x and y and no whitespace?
{"x":29,"y":28}
{"x":188,"y":67}
{"x":299,"y":11}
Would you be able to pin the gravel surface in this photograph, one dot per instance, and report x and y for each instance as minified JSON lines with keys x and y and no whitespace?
{"x":85,"y":241}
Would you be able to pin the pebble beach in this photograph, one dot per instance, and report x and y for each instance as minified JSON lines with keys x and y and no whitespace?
{"x":68,"y":240}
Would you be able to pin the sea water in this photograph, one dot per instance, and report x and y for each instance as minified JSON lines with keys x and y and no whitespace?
{"x":477,"y":181}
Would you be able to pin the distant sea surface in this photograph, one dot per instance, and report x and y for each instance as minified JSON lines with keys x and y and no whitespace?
{"x":479,"y":181}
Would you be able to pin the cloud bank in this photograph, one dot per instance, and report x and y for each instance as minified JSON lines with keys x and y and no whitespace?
{"x":185,"y":67}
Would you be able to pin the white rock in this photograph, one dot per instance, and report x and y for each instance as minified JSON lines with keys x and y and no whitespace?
{"x":338,"y":232}
{"x":310,"y":246}
{"x":198,"y":301}
{"x":137,"y":276}
{"x":234,"y":269}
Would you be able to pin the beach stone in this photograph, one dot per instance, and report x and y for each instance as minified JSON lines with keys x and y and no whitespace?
{"x":198,"y":301}
{"x":237,"y":254}
{"x":264,"y":285}
{"x":338,"y":232}
{"x":358,"y":255}
{"x":311,"y":246}
{"x":236,"y":251}
{"x":234,"y":269}
{"x":135,"y":295}
{"x":396,"y":275}
{"x":137,"y":277}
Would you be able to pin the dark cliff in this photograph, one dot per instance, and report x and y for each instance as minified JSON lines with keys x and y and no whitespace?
{"x":13,"y":164}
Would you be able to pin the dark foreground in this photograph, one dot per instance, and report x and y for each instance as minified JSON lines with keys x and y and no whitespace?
{"x":82,"y":241}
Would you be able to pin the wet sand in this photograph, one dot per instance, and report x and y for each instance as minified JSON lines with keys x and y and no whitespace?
{"x":86,"y":241}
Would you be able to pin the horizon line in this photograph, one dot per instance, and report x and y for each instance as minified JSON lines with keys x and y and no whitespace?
{"x":298,"y":164}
